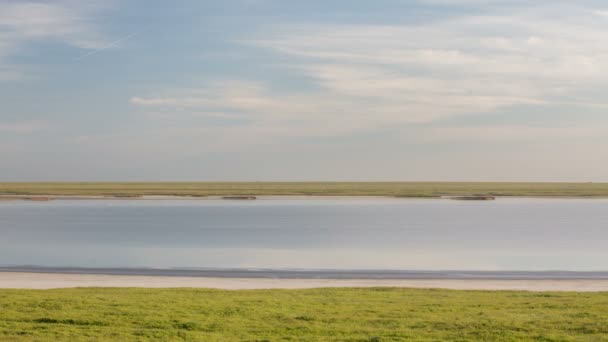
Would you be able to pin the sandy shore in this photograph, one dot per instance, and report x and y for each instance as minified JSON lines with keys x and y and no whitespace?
{"x":18,"y":280}
{"x":186,"y":197}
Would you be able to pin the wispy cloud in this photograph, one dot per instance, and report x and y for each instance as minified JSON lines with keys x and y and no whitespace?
{"x":28,"y":22}
{"x":270,"y":114}
{"x":23,"y":127}
{"x":458,"y":66}
{"x":377,"y":76}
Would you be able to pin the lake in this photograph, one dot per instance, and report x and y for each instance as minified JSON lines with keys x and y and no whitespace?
{"x":351,"y":233}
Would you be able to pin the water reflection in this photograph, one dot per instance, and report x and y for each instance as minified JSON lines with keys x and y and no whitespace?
{"x":507,"y":234}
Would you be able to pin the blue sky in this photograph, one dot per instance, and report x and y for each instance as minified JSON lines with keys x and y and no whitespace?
{"x":466,"y":90}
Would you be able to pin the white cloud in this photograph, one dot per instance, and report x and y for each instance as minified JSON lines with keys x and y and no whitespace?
{"x":272,"y":115}
{"x":505,"y":133}
{"x":22,"y":127}
{"x":473,"y":64}
{"x":373,"y":76}
{"x":28,"y":22}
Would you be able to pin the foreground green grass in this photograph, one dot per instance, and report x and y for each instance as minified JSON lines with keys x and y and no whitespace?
{"x":404,"y":189}
{"x":301,"y":315}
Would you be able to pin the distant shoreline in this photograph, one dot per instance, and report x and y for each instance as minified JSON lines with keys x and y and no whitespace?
{"x":47,"y":198}
{"x":235,"y":190}
{"x":328,"y":274}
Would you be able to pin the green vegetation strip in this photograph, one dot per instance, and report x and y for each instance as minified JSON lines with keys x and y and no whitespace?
{"x":376,"y":314}
{"x":398,"y":189}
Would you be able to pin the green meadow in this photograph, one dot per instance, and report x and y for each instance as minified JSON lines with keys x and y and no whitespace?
{"x":373,"y":314}
{"x":398,"y":189}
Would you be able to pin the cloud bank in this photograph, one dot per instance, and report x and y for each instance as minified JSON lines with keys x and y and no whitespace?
{"x":370,"y":77}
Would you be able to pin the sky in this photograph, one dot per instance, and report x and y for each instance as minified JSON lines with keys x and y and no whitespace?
{"x":336,"y":90}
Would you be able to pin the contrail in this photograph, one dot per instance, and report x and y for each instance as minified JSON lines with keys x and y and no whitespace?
{"x":129,"y":36}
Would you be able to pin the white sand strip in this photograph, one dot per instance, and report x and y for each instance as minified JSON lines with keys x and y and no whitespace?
{"x":17,"y":280}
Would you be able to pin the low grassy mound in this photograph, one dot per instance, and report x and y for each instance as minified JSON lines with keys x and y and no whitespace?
{"x":380,"y":314}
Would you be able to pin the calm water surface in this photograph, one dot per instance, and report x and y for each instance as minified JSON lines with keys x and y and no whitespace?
{"x":413,"y":234}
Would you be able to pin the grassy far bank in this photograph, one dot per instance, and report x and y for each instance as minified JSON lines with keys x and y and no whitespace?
{"x":399,"y":189}
{"x":381,"y":314}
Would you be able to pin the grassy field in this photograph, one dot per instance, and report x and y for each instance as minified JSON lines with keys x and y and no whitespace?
{"x":400,"y":189}
{"x":380,"y":314}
